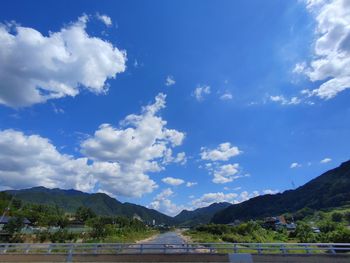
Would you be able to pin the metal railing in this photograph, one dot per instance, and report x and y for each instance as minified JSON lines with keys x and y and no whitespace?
{"x":186,"y":248}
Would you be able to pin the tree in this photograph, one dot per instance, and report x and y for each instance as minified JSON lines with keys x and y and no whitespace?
{"x":84,"y":213}
{"x":14,"y":225}
{"x":337,"y":217}
{"x":347,"y":217}
{"x":304,"y":233}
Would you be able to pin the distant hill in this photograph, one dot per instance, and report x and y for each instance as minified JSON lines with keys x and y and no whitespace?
{"x":200,"y":215}
{"x":101,"y":204}
{"x":331,"y":189}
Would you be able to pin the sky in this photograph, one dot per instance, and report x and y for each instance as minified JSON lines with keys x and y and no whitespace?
{"x":173,"y":104}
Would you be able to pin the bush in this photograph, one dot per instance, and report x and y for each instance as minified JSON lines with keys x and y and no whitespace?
{"x":326,"y":226}
{"x":337,"y":217}
{"x":347,"y":217}
{"x":304,"y":233}
{"x":61,"y":236}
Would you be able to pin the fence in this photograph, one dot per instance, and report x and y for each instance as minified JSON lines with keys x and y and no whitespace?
{"x":200,"y":248}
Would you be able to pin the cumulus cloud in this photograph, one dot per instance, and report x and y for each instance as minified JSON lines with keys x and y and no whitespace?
{"x":116,"y":159}
{"x":326,"y":160}
{"x":173,"y":181}
{"x":169,"y":81}
{"x":35,"y":67}
{"x":210,"y":198}
{"x":331,"y":64}
{"x":104,"y":19}
{"x":163,"y":203}
{"x":270,"y":191}
{"x":31,"y":160}
{"x":27,"y":160}
{"x":295,"y":165}
{"x":201,"y":91}
{"x":222,"y":153}
{"x":141,"y":144}
{"x":225,"y":173}
{"x":226,"y":96}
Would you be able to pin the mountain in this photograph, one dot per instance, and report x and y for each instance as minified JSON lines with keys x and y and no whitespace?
{"x":331,"y":189}
{"x":101,"y":204}
{"x":200,"y":215}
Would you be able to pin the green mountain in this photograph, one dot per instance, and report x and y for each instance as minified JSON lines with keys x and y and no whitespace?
{"x":331,"y":189}
{"x":200,"y":215}
{"x":101,"y":204}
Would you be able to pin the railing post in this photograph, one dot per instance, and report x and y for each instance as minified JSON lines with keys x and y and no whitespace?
{"x":259,"y":249}
{"x":141,"y":248}
{"x":187,"y":248}
{"x":5,"y":249}
{"x":332,"y":249}
{"x":49,"y":249}
{"x":283,"y":249}
{"x":70,"y":253}
{"x":96,"y":249}
{"x":307,"y":249}
{"x":164,"y":249}
{"x":235,"y":250}
{"x":27,"y":249}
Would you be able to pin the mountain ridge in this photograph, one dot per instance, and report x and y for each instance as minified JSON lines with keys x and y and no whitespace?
{"x":330,"y":189}
{"x":102,"y":204}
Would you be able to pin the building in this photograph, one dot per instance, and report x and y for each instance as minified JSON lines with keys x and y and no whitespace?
{"x":4,"y":220}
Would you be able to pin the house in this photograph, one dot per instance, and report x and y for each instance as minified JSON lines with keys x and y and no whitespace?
{"x":275,"y":222}
{"x":4,"y":220}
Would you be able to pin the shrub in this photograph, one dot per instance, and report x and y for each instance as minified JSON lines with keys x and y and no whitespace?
{"x":337,"y":217}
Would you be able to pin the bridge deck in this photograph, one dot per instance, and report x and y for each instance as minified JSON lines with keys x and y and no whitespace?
{"x":297,"y":258}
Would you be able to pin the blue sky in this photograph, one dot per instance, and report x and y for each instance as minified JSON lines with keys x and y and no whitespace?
{"x":251,"y":97}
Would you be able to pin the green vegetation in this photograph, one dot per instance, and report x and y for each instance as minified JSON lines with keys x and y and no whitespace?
{"x":312,"y":226}
{"x":331,"y":189}
{"x":52,"y":224}
{"x":250,"y":232}
{"x":100,"y":204}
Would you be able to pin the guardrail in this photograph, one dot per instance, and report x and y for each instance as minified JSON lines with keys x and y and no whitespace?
{"x":186,"y":248}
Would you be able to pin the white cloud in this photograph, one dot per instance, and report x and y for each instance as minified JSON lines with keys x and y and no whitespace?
{"x":226,"y":96}
{"x":170,"y":81}
{"x":222,"y":153}
{"x":140,"y":145}
{"x":190,"y":184}
{"x":299,"y":68}
{"x":284,"y":101}
{"x":210,"y":198}
{"x":163,"y":203}
{"x":104,"y":19}
{"x":295,"y":165}
{"x":28,"y":160}
{"x":35,"y":68}
{"x":225,"y":173}
{"x":200,"y":92}
{"x":332,"y":47}
{"x":326,"y":160}
{"x":120,"y":158}
{"x":270,"y":191}
{"x":172,"y":181}
{"x":31,"y":160}
{"x":180,"y":158}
